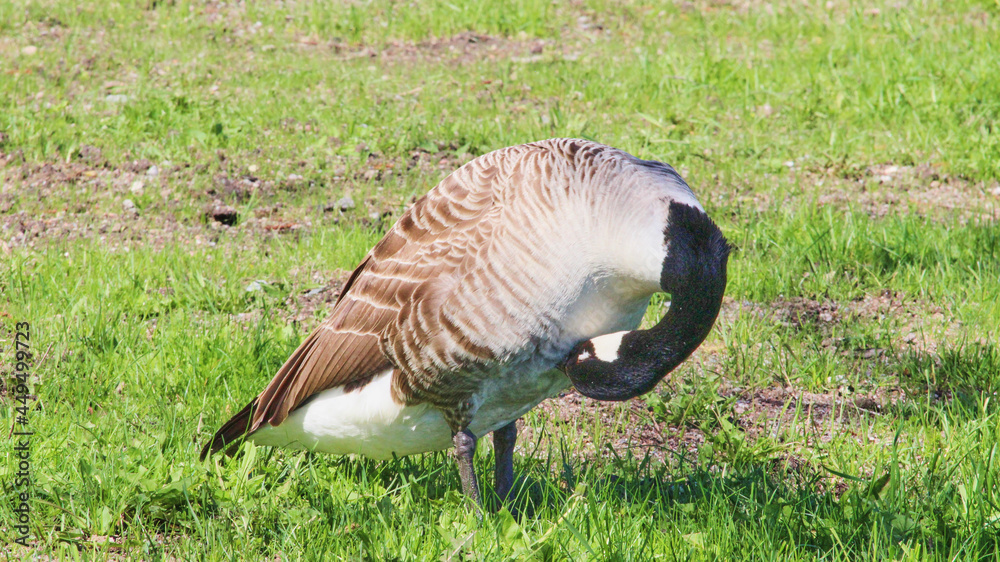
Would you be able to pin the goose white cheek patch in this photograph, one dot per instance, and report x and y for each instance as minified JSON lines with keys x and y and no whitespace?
{"x":606,"y":346}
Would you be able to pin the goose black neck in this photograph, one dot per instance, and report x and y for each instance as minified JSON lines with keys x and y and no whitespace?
{"x":694,"y":273}
{"x":648,"y":355}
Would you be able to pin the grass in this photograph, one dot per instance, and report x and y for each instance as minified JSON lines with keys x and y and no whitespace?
{"x":844,"y":407}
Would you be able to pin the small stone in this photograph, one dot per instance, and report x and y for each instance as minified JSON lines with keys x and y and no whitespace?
{"x":294,"y":177}
{"x":136,"y":187}
{"x":153,"y":171}
{"x":29,"y":50}
{"x":867,"y":403}
{"x":129,"y":207}
{"x":224,"y":214}
{"x":140,"y":166}
{"x":252,"y":168}
{"x":104,"y":539}
{"x":256,"y":286}
{"x":116,"y":98}
{"x":345,"y":203}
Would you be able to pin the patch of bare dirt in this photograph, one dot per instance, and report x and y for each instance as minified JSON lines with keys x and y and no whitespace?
{"x":630,"y":427}
{"x":793,"y":419}
{"x":765,"y":412}
{"x":919,"y":326}
{"x":923,"y":190}
{"x":458,"y":50}
{"x":306,"y":306}
{"x":881,"y":190}
{"x":139,"y":201}
{"x":122,"y":231}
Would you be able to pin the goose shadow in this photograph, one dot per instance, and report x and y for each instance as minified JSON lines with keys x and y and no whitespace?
{"x":795,"y":499}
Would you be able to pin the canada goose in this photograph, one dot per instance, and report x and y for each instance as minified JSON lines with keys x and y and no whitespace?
{"x":522,"y":273}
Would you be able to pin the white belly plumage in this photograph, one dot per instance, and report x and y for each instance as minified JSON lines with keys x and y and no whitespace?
{"x":368,"y":422}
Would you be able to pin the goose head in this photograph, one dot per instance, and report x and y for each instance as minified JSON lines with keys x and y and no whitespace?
{"x":623,"y":365}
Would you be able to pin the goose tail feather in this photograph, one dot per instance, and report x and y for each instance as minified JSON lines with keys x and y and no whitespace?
{"x":232,"y":433}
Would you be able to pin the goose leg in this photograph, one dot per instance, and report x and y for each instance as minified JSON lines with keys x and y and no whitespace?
{"x":503,"y":450}
{"x":465,"y":450}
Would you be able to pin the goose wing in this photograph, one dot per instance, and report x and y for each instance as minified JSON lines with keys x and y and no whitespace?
{"x":429,"y":243}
